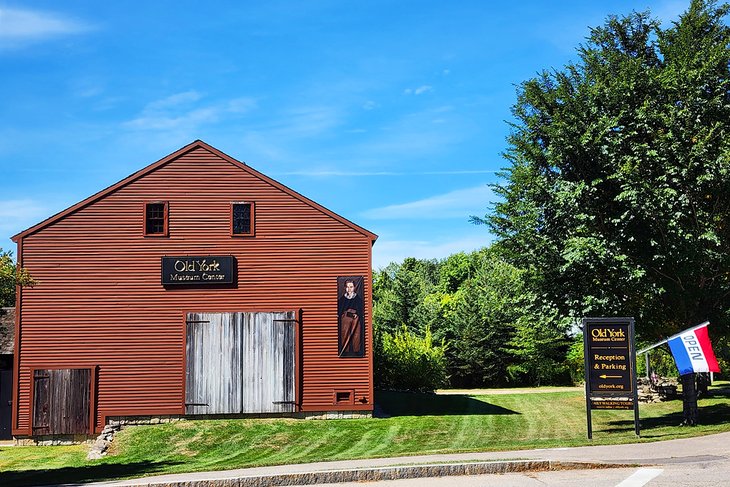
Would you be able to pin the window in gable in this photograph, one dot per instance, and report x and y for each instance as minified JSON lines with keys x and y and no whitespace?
{"x":155,"y":219}
{"x":242,"y":222}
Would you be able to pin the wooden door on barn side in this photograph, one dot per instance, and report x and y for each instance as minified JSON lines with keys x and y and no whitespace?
{"x":240,"y":363}
{"x":61,"y":401}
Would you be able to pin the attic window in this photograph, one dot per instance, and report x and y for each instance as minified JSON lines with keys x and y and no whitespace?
{"x":155,"y":219}
{"x":242,"y":218}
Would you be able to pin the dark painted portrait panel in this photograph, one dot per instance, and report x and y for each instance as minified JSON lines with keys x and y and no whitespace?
{"x":351,"y":316}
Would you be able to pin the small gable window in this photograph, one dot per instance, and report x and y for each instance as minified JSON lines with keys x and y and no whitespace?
{"x":242,"y":218}
{"x":155,"y":219}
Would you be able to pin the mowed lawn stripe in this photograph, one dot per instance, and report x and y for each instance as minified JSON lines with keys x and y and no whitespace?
{"x":414,"y":424}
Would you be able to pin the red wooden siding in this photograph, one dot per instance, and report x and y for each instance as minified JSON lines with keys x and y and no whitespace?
{"x":100,"y":301}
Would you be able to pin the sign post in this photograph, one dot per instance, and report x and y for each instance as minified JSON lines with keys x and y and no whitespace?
{"x":610,"y":366}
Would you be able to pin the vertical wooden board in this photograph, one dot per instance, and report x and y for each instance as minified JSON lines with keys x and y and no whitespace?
{"x":41,"y":403}
{"x":282,"y":346}
{"x":289,"y":355}
{"x":268,"y":371}
{"x":213,"y":364}
{"x":58,"y":392}
{"x":249,"y":372}
{"x":70,"y":405}
{"x":80,"y":408}
{"x":193,"y":397}
{"x":62,"y":401}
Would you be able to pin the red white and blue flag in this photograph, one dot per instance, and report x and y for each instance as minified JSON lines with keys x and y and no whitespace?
{"x":692,"y":351}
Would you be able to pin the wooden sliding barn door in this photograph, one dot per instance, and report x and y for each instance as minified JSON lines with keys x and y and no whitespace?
{"x":61,"y":401}
{"x":240,"y":363}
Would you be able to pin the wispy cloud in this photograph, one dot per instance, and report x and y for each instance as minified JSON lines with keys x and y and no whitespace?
{"x":15,"y":215}
{"x":455,"y":204}
{"x":305,"y":121}
{"x":174,"y":101}
{"x":418,"y":91}
{"x":339,"y":173}
{"x":387,"y":251}
{"x":180,"y":111}
{"x":19,"y":26}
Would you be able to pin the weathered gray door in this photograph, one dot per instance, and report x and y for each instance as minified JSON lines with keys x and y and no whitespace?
{"x":240,"y":363}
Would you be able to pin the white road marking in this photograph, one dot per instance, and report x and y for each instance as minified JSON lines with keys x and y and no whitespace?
{"x":641,"y":477}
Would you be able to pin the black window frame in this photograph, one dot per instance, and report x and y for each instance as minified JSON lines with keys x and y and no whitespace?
{"x":155,"y":219}
{"x":235,"y":219}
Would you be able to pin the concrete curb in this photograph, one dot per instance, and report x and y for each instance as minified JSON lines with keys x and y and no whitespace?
{"x":378,"y":473}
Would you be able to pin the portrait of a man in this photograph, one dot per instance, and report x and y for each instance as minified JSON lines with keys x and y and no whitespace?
{"x":351,"y":318}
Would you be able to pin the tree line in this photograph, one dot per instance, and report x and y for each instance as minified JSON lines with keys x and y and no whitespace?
{"x":489,"y":327}
{"x":615,"y":201}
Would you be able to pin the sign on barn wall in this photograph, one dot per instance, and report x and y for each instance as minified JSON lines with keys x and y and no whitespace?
{"x":350,"y":316}
{"x":198,"y":270}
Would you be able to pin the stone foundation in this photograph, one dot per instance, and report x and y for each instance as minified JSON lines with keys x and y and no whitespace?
{"x":53,"y":440}
{"x":136,"y":420}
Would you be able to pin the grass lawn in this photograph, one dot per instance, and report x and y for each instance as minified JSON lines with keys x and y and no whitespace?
{"x":418,"y":424}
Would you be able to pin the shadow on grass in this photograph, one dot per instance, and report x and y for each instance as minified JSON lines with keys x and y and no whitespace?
{"x":717,"y":393}
{"x":424,"y":404}
{"x":88,"y":473}
{"x":707,"y":415}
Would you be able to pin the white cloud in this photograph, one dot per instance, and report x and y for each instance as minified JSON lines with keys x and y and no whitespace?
{"x":387,"y":251}
{"x":189,"y":119}
{"x":174,"y":101}
{"x":240,"y":105}
{"x":323,"y":173}
{"x":179,"y":111}
{"x":307,"y":121}
{"x":18,"y":25}
{"x":17,"y":215}
{"x":418,"y":91}
{"x":455,"y":204}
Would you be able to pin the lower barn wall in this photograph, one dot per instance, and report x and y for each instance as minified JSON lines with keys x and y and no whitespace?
{"x":125,"y":421}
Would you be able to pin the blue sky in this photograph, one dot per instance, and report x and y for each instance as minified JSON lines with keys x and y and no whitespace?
{"x":390,"y":113}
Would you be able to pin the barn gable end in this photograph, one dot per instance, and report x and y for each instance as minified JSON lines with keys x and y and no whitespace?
{"x":101,"y":304}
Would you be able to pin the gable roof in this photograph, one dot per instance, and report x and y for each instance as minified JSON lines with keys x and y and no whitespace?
{"x":198,"y":144}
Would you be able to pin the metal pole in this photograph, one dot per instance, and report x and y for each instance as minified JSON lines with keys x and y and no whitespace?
{"x":646,"y":349}
{"x":648,"y":372}
{"x":632,"y":351}
{"x":587,"y":380}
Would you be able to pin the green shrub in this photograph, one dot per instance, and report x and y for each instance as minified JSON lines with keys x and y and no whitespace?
{"x":406,"y":361}
{"x":575,"y":360}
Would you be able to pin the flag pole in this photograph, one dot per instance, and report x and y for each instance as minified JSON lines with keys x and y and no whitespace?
{"x":650,"y":347}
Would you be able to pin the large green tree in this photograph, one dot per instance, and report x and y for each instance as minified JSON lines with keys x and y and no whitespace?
{"x":617,"y":196}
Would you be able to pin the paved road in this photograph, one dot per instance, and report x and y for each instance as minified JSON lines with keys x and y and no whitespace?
{"x":674,"y":476}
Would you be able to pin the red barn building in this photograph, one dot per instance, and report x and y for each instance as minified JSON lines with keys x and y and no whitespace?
{"x":196,"y":286}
